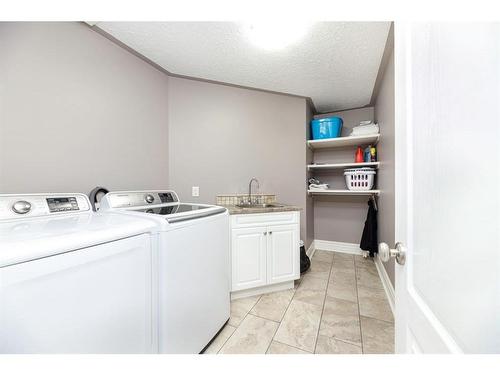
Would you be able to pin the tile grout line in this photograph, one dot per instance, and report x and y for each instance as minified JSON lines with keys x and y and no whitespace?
{"x":379,"y":320}
{"x":359,"y":310}
{"x":357,"y":302}
{"x":323,"y":305}
{"x":371,"y":288}
{"x":295,"y":291}
{"x":291,"y":346}
{"x":236,"y":328}
{"x":261,"y":317}
{"x":274,"y":334}
{"x":343,"y":299}
{"x":381,"y":299}
{"x":283,"y":317}
{"x":344,"y":341}
{"x":224,"y":343}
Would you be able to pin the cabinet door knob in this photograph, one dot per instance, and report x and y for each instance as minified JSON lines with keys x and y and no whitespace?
{"x":270,"y":232}
{"x":265,"y":233}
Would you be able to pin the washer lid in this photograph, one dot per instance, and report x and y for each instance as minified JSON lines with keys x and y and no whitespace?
{"x":163,"y":204}
{"x":33,"y":238}
{"x":172,"y":209}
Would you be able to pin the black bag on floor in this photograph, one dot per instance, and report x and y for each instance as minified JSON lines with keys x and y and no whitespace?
{"x":305,"y":262}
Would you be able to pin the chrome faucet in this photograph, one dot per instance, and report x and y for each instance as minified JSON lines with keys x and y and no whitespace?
{"x":250,"y":189}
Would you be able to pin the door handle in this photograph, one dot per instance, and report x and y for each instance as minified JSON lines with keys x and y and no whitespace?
{"x":385,"y":252}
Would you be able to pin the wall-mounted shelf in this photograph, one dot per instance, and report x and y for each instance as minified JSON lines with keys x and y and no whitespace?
{"x":343,"y":141}
{"x":343,"y":192}
{"x":319,"y":167}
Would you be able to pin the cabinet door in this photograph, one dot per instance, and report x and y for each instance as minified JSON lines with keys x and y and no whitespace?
{"x":283,"y":251}
{"x":248,"y":250}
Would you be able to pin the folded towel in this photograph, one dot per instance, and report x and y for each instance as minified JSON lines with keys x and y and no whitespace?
{"x":365,"y":130}
{"x":318,"y":186}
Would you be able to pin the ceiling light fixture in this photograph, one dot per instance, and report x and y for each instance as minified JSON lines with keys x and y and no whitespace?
{"x":273,"y":35}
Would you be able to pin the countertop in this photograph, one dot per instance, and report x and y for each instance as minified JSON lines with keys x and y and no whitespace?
{"x":233,"y":210}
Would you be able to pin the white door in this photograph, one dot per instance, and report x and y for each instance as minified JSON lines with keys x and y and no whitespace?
{"x":248,"y":257}
{"x":283,"y":262}
{"x":447,"y":187}
{"x":94,"y":300}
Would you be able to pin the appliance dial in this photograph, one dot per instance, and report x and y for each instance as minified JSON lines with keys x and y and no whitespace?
{"x":21,"y":207}
{"x":149,"y":198}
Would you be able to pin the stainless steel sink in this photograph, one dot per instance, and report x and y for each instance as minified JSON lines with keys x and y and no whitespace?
{"x":259,"y":205}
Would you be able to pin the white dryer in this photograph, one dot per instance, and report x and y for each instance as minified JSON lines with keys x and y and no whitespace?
{"x":193,"y":265}
{"x":74,"y":281}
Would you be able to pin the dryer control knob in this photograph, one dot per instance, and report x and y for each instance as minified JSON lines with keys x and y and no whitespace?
{"x":21,"y":207}
{"x":149,"y":198}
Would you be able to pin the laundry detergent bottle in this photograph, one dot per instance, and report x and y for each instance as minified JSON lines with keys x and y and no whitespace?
{"x":358,"y":157}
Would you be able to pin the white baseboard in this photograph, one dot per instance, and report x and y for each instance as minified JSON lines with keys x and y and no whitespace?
{"x":310,"y":251}
{"x":386,"y":282}
{"x":341,"y":247}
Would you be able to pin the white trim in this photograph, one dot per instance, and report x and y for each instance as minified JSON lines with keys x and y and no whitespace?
{"x":386,"y":282}
{"x":310,"y":251}
{"x":340,"y":247}
{"x":263,"y":290}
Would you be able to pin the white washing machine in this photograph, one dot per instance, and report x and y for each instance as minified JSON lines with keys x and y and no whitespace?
{"x":72,"y":280}
{"x":193,"y":266}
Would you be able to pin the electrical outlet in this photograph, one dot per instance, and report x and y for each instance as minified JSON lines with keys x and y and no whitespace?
{"x":195,"y":191}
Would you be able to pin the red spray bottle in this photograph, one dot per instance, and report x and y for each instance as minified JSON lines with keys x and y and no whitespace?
{"x":358,"y":158}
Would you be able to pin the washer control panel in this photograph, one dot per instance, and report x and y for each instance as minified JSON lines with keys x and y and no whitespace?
{"x":127,"y":199}
{"x":13,"y":206}
{"x":60,"y":204}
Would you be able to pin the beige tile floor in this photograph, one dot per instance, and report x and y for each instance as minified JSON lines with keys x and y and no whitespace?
{"x":338,"y":307}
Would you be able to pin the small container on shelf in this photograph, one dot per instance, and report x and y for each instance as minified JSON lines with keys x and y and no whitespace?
{"x":358,"y":156}
{"x":373,"y":153}
{"x":359,"y":179}
{"x":328,"y":127}
{"x":367,"y":154}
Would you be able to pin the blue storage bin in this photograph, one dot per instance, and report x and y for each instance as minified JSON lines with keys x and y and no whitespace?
{"x":328,"y":127}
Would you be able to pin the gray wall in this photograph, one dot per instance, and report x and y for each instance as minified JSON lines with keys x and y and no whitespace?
{"x":309,"y":199}
{"x":222,"y":136}
{"x":77,"y":111}
{"x":384,"y":114}
{"x":339,"y":218}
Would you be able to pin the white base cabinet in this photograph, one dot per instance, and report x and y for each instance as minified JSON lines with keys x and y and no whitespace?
{"x":264,"y":249}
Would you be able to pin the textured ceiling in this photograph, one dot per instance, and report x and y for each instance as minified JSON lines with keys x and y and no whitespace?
{"x":334,"y":63}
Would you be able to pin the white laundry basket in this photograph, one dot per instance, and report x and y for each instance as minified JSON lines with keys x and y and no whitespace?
{"x":359,"y":179}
